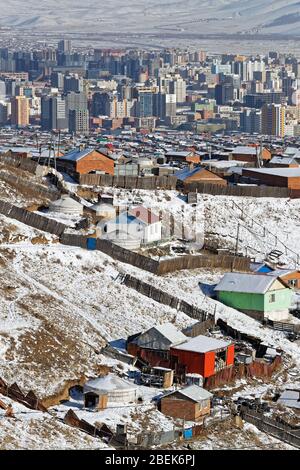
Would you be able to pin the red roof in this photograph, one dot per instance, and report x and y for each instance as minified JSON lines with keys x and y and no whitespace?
{"x":144,"y":214}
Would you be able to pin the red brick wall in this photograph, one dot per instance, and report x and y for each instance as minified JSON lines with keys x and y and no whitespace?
{"x":95,"y":161}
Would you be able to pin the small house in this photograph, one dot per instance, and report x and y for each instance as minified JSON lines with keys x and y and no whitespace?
{"x":250,"y":154}
{"x":291,"y":277}
{"x":86,"y":161}
{"x":260,"y":296}
{"x":279,"y":177}
{"x":191,"y":403}
{"x":138,"y":222}
{"x":203,"y":355}
{"x":189,"y":176}
{"x":153,"y":346}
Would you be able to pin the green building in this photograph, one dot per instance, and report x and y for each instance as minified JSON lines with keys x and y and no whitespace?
{"x":258,"y":295}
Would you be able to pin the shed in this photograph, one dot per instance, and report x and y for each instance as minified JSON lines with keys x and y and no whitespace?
{"x":258,"y":295}
{"x":199,"y":175}
{"x":191,"y":403}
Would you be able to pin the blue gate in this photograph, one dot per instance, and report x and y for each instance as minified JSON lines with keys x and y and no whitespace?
{"x":91,"y":243}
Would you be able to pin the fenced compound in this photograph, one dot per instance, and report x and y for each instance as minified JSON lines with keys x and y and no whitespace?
{"x":275,"y":428}
{"x":129,"y":182}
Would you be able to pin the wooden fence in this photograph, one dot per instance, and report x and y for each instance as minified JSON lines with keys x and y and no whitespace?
{"x":129,"y":182}
{"x":257,"y":368}
{"x":275,"y":428}
{"x":230,"y":262}
{"x":23,"y":163}
{"x":250,"y":191}
{"x":167,"y":299}
{"x":282,"y":326}
{"x":71,"y":419}
{"x":30,"y":400}
{"x":33,"y":220}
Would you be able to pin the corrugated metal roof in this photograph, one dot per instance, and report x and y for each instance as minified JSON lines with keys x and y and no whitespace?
{"x":170,"y":332}
{"x":202,"y":344}
{"x":248,"y":283}
{"x":241,"y":149}
{"x":76,"y":154}
{"x":178,"y":154}
{"x":187,"y":173}
{"x":196,"y":393}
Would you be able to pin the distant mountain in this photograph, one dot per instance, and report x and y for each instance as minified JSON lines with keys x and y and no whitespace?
{"x":155,"y":16}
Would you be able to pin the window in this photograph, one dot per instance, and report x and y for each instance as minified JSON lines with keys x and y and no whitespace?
{"x":272,"y":298}
{"x":292,"y":282}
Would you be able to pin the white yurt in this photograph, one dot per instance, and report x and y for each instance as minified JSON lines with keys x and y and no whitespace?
{"x":66,"y":205}
{"x":117,"y":389}
{"x":123,"y":239}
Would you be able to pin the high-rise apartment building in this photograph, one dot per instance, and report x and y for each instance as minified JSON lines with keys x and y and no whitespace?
{"x":79,"y":121}
{"x":250,"y":121}
{"x":53,"y":113}
{"x":273,"y":120}
{"x":20,"y":111}
{"x":65,"y":46}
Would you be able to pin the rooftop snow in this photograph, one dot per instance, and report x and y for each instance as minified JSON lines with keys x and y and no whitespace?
{"x":248,"y":283}
{"x":284,"y":172}
{"x":202,"y":344}
{"x":170,"y":332}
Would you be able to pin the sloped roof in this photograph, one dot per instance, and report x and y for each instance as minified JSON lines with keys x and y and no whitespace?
{"x":76,"y":154}
{"x":203,"y":344}
{"x":247,"y":283}
{"x":143,"y":214}
{"x":193,"y":392}
{"x":187,"y":173}
{"x":171,"y":333}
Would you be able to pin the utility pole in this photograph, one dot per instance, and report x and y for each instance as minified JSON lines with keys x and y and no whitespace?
{"x":237,"y":239}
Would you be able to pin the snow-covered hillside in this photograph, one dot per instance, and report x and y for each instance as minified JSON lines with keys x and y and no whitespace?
{"x":213,"y":16}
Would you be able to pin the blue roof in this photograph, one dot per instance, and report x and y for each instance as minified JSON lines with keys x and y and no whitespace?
{"x":186,"y":173}
{"x":76,"y":154}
